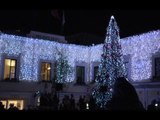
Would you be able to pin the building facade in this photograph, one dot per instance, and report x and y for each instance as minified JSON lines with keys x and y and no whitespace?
{"x":28,"y":66}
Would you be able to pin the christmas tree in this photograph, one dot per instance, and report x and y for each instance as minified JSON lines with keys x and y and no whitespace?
{"x":63,"y":69}
{"x":111,"y":66}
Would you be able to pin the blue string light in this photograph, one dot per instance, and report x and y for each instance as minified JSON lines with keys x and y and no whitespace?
{"x":140,"y":47}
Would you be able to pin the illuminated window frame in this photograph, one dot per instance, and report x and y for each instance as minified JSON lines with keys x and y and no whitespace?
{"x":12,"y":69}
{"x":17,"y":69}
{"x":52,"y":65}
{"x":46,"y":71}
{"x":6,"y":103}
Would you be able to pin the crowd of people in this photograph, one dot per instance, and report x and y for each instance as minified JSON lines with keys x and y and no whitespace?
{"x":68,"y":102}
{"x":124,"y":98}
{"x":11,"y":107}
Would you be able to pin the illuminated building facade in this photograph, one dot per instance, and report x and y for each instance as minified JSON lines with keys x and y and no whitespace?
{"x":28,"y":66}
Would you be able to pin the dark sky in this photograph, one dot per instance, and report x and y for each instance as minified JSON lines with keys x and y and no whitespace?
{"x":130,"y":22}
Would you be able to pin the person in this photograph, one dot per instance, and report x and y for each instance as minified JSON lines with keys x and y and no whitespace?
{"x":1,"y":106}
{"x":12,"y":107}
{"x":124,"y":96}
{"x":72,"y":102}
{"x":92,"y":103}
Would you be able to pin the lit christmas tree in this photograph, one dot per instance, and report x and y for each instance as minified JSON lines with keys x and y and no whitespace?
{"x":111,"y":66}
{"x":63,"y":69}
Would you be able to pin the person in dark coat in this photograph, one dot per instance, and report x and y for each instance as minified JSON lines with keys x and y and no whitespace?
{"x":124,"y":97}
{"x":1,"y":106}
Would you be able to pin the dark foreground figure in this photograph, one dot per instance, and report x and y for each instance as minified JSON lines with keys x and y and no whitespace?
{"x":124,"y":97}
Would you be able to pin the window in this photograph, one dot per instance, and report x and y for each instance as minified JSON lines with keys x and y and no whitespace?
{"x":157,"y":67}
{"x":10,"y":69}
{"x":95,"y":73}
{"x":4,"y":103}
{"x":80,"y":72}
{"x":15,"y":103}
{"x":46,"y":71}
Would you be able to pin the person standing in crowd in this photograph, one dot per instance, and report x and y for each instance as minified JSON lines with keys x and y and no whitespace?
{"x":124,"y":97}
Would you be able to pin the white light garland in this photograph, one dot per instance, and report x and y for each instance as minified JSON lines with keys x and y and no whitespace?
{"x":32,"y":50}
{"x":140,"y":47}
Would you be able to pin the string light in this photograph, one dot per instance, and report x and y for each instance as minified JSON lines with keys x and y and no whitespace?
{"x":31,"y":51}
{"x":140,"y":47}
{"x":111,"y":66}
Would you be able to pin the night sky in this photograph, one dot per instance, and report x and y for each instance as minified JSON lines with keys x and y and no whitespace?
{"x":130,"y":22}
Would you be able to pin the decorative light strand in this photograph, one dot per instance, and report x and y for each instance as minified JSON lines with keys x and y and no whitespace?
{"x":140,"y":47}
